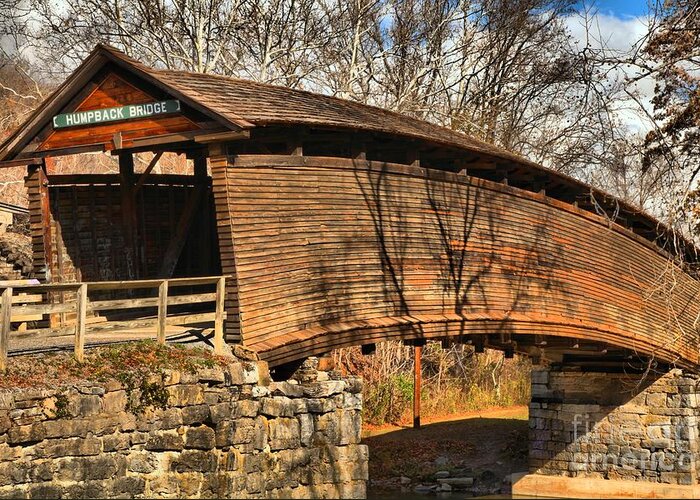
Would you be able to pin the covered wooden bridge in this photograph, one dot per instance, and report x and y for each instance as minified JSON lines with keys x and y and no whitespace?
{"x":341,"y":224}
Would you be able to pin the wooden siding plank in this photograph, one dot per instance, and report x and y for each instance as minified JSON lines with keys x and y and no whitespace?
{"x":327,"y":252}
{"x":219,"y":170}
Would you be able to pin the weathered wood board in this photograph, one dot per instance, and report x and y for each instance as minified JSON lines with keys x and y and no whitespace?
{"x":331,"y":252}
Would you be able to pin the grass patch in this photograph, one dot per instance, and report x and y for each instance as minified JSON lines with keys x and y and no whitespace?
{"x":388,"y":401}
{"x":455,"y":380}
{"x":130,"y":363}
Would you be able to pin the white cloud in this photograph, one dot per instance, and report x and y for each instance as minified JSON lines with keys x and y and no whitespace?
{"x":618,"y":37}
{"x":604,"y":30}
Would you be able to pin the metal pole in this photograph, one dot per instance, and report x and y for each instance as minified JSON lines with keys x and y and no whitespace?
{"x":417,"y":351}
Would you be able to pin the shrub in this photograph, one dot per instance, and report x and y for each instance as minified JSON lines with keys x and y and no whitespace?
{"x":454,"y":380}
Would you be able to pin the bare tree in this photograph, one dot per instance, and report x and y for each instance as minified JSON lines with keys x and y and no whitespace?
{"x":675,"y":49}
{"x":267,"y":40}
{"x":283,"y":40}
{"x":504,"y":71}
{"x":195,"y":35}
{"x":352,"y":52}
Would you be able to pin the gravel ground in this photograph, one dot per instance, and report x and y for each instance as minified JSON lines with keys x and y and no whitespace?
{"x":487,"y":446}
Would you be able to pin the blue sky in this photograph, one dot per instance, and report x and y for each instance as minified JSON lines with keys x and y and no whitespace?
{"x":621,"y":8}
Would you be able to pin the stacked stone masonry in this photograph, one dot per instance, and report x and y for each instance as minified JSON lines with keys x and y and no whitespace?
{"x":615,"y":426}
{"x":15,"y":256}
{"x":8,"y":271}
{"x":226,"y":432}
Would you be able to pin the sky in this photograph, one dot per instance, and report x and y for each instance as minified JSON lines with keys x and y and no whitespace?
{"x":618,"y":25}
{"x":621,"y":8}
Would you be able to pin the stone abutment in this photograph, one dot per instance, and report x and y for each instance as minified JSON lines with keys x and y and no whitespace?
{"x":595,"y":434}
{"x":226,"y":432}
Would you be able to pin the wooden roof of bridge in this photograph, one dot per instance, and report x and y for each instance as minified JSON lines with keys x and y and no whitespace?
{"x":246,"y":104}
{"x":250,"y":103}
{"x":238,"y":104}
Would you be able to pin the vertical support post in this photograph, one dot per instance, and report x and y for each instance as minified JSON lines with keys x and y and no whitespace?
{"x":200,"y":168}
{"x":5,"y":318}
{"x":295,"y":143}
{"x":129,"y":217}
{"x":413,"y":157}
{"x":203,"y":215}
{"x":80,"y":322}
{"x":162,"y":310}
{"x":219,"y":316}
{"x":417,"y":352}
{"x":358,"y":148}
{"x":37,"y":185}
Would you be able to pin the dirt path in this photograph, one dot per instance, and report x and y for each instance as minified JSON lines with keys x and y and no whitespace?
{"x":487,"y":445}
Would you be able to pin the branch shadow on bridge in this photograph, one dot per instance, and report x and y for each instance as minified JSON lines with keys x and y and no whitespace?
{"x":453,"y":241}
{"x":425,"y":254}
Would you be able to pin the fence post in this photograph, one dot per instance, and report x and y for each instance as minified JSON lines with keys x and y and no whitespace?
{"x":80,"y":324}
{"x":5,"y":318}
{"x":219,"y":316}
{"x":162,"y":310}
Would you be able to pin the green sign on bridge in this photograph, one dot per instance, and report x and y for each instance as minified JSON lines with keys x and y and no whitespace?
{"x":129,"y":112}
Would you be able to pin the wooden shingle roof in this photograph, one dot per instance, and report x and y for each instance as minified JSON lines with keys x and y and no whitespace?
{"x":263,"y":104}
{"x":244,"y":104}
{"x":248,"y":104}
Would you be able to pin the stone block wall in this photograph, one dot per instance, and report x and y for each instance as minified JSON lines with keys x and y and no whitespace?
{"x":615,"y":426}
{"x":5,"y":220}
{"x":8,"y":271}
{"x":226,"y":433}
{"x":15,"y":256}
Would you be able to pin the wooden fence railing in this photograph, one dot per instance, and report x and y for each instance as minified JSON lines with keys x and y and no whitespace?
{"x":28,"y":304}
